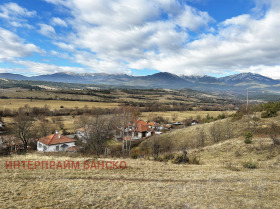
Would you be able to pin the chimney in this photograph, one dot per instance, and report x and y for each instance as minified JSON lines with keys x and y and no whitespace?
{"x":59,"y":135}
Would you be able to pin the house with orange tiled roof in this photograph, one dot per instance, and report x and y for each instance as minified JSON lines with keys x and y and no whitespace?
{"x":142,"y":129}
{"x":55,"y":143}
{"x":134,"y":130}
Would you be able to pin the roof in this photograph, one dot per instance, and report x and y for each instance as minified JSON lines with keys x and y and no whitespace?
{"x":152,"y":124}
{"x":142,"y":126}
{"x":81,"y":129}
{"x":128,"y":138}
{"x":54,"y":139}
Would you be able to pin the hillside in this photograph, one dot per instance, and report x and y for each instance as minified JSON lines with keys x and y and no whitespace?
{"x":235,"y":83}
{"x":211,"y":133}
{"x":218,"y":181}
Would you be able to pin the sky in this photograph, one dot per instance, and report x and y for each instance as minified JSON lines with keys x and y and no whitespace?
{"x":140,"y":37}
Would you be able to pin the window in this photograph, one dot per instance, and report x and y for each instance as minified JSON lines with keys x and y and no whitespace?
{"x":57,"y":148}
{"x":39,"y":145}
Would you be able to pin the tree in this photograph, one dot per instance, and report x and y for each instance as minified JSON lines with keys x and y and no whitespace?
{"x":97,"y":131}
{"x":174,"y":117}
{"x":44,"y":126}
{"x":216,"y":131}
{"x":248,"y":137}
{"x":229,"y":129}
{"x":124,"y":117}
{"x":273,"y":132}
{"x":22,"y":128}
{"x":201,"y":136}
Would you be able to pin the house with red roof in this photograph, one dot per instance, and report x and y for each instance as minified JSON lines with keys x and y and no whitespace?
{"x":142,"y":129}
{"x":55,"y":143}
{"x":134,"y":130}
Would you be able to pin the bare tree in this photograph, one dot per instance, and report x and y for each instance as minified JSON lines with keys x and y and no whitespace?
{"x":125,"y":117}
{"x":174,"y":117}
{"x":201,"y":136}
{"x":256,"y":121}
{"x":44,"y":126}
{"x":22,"y":128}
{"x":229,"y":128}
{"x":97,"y":131}
{"x":274,"y":132}
{"x":216,"y":131}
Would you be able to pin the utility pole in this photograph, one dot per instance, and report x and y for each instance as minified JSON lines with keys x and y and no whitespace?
{"x":247,"y":105}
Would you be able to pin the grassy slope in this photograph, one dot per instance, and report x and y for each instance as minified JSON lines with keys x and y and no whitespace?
{"x":182,"y":115}
{"x":187,"y":137}
{"x":220,"y":181}
{"x":150,"y":184}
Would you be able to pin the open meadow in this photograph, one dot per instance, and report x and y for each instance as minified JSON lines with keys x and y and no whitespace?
{"x":219,"y":181}
{"x":53,"y":104}
{"x":182,"y":115}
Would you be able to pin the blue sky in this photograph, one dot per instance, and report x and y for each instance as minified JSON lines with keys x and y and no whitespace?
{"x":140,"y":37}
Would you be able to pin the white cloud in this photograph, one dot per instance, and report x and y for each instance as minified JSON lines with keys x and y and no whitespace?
{"x":13,"y":9}
{"x":150,"y":34}
{"x":129,"y":30}
{"x":12,"y":46}
{"x":38,"y":68}
{"x":65,"y":46}
{"x":15,"y":15}
{"x":57,"y":21}
{"x":193,"y":19}
{"x":46,"y":30}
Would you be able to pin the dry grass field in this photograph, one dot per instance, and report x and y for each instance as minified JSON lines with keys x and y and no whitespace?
{"x":220,"y":181}
{"x":53,"y":104}
{"x":182,"y":115}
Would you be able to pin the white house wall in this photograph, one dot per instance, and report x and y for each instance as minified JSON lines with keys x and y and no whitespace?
{"x":52,"y":148}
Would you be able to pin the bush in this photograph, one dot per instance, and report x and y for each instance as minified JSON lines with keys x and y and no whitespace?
{"x":169,"y":156}
{"x":181,"y":158}
{"x":248,"y":137}
{"x":250,"y":165}
{"x":157,"y":158}
{"x":194,"y":160}
{"x":134,"y":156}
{"x":231,"y":167}
{"x":270,"y":109}
{"x":236,"y":116}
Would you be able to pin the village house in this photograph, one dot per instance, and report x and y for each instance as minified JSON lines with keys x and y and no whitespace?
{"x":2,"y":127}
{"x":55,"y":143}
{"x":82,"y":134}
{"x":195,"y":122}
{"x":142,"y":129}
{"x":134,"y":130}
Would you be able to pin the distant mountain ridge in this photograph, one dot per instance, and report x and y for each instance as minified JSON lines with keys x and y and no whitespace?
{"x":233,"y":83}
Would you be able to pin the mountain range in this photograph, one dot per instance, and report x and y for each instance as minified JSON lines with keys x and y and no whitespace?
{"x":237,"y":83}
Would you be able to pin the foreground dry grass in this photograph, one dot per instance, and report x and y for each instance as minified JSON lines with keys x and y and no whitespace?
{"x":150,"y":184}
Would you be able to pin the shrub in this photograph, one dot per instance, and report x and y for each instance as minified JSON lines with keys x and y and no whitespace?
{"x":231,"y":167}
{"x":157,"y":158}
{"x":250,"y":165}
{"x":134,"y":156}
{"x":194,"y":160}
{"x":181,"y":158}
{"x":236,"y":116}
{"x":169,"y":156}
{"x":248,"y":137}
